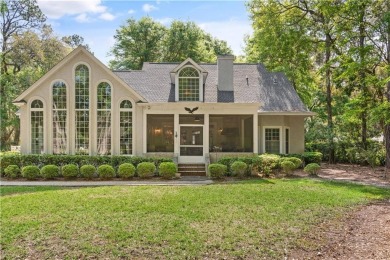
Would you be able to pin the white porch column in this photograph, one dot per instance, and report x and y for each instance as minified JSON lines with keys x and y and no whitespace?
{"x":176,"y":134}
{"x":255,"y":133}
{"x":206,"y":133}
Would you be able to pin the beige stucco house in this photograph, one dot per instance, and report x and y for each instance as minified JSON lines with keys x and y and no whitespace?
{"x":187,"y":111}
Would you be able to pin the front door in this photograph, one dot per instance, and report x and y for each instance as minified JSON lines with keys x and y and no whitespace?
{"x":191,"y":144}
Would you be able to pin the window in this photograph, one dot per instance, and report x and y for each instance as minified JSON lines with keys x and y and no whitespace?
{"x":231,"y":133}
{"x":126,"y":127}
{"x":59,"y":118}
{"x":287,"y":140}
{"x":188,"y":84}
{"x":272,"y":140}
{"x":82,"y":109}
{"x":37,"y":129}
{"x":104,"y":118}
{"x":160,"y":133}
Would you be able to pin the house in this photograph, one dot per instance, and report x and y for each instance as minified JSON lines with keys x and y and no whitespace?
{"x":188,"y":111}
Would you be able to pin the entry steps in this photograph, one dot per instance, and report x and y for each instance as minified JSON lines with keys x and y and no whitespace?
{"x":192,"y":169}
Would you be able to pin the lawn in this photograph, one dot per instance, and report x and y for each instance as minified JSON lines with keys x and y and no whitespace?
{"x":251,"y":219}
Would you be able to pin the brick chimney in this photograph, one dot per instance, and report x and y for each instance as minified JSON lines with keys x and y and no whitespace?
{"x":225,"y":72}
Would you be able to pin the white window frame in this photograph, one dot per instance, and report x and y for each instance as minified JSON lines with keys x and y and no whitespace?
{"x":132,"y":110}
{"x":177,"y":84}
{"x":280,"y":137}
{"x":45,"y":134}
{"x":107,"y":110}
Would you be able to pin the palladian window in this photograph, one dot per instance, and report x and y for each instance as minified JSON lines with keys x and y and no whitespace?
{"x":126,"y":127}
{"x":104,"y":118}
{"x":231,"y":133}
{"x":82,"y":110}
{"x":160,"y":133}
{"x":37,"y":129}
{"x":188,"y":84}
{"x":59,"y":118}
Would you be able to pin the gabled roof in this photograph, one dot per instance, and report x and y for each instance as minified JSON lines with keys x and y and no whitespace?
{"x":59,"y":65}
{"x":252,"y":84}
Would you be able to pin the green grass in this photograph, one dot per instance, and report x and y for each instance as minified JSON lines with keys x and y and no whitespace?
{"x":252,"y":219}
{"x":8,"y":190}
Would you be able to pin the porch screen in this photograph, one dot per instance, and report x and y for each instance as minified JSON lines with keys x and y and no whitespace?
{"x":160,"y":133}
{"x":231,"y":133}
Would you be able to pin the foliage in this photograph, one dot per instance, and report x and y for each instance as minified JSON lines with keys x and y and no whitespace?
{"x":217,"y":170}
{"x":12,"y":171}
{"x":312,"y":168}
{"x":253,"y":163}
{"x":126,"y":170}
{"x":106,"y":171}
{"x":296,"y":161}
{"x":167,"y":170}
{"x":288,"y":166}
{"x":70,"y":171}
{"x":30,"y":172}
{"x":312,"y":157}
{"x":239,"y":168}
{"x":269,"y":162}
{"x":146,"y":169}
{"x":50,"y":171}
{"x":87,"y":171}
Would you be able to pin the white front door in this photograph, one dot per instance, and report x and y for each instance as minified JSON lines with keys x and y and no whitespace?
{"x":191,"y":144}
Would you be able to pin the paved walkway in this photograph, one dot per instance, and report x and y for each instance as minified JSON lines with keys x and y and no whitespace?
{"x":183,"y":181}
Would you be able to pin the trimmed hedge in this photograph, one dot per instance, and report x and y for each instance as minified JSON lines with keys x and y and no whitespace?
{"x":269,"y":162}
{"x":146,"y":169}
{"x":312,"y":168}
{"x":253,"y":162}
{"x":12,"y":171}
{"x":126,"y":170}
{"x":239,"y":168}
{"x":106,"y":171}
{"x":30,"y":172}
{"x":50,"y":171}
{"x":70,"y":171}
{"x":87,"y":171}
{"x":296,"y":161}
{"x":217,"y":170}
{"x":167,"y":170}
{"x":288,"y":166}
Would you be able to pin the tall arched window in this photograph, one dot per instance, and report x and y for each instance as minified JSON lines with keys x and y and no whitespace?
{"x":126,"y":127}
{"x":37,"y":129}
{"x":188,"y":84}
{"x":82,"y":109}
{"x":104,"y":118}
{"x":59,"y":118}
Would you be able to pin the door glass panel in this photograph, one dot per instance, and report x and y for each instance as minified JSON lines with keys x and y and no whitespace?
{"x":191,"y":151}
{"x":191,"y":135}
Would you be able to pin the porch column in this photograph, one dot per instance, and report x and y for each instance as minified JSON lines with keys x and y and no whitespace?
{"x":176,"y":134}
{"x":206,"y":133}
{"x":255,"y":133}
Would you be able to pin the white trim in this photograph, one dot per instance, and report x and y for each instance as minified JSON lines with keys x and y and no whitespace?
{"x":200,"y":83}
{"x":280,"y":137}
{"x":191,"y":159}
{"x":287,"y":113}
{"x":111,"y":114}
{"x":45,"y":138}
{"x":117,"y":126}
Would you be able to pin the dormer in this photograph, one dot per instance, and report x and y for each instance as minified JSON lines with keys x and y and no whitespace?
{"x":188,"y":79}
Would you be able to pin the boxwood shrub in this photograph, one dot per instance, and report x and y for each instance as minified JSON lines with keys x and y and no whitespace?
{"x":288,"y":166}
{"x":106,"y":171}
{"x":312,"y":168}
{"x":312,"y":157}
{"x":12,"y":171}
{"x":269,"y":162}
{"x":126,"y":170}
{"x":146,"y":169}
{"x":167,"y":170}
{"x":70,"y":171}
{"x":30,"y":172}
{"x":50,"y":171}
{"x":217,"y":170}
{"x":88,"y":171}
{"x":296,"y":161}
{"x":239,"y":168}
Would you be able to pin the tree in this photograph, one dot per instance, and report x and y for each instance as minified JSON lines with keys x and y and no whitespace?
{"x":136,"y":43}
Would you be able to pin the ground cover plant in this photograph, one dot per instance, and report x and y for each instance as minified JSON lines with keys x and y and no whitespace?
{"x":251,"y":219}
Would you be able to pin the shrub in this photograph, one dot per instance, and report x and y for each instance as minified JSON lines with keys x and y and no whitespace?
{"x":269,"y":162}
{"x":126,"y":170}
{"x":287,"y":166}
{"x":312,"y":157}
{"x":217,"y":170}
{"x":239,"y":168}
{"x":70,"y":171}
{"x":167,"y":170}
{"x":30,"y":172}
{"x":146,"y":169}
{"x":312,"y":168}
{"x":106,"y":171}
{"x":87,"y":171}
{"x":12,"y":171}
{"x":49,"y":171}
{"x":296,"y":161}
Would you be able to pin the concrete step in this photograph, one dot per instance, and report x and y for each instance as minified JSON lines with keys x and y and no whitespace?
{"x":192,"y":169}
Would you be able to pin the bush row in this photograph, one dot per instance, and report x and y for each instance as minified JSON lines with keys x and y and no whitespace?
{"x":166,"y":170}
{"x":22,"y":160}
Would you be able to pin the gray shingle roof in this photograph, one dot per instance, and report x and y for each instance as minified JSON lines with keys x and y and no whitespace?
{"x":272,"y":90}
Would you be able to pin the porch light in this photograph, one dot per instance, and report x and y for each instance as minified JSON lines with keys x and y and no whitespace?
{"x":157,"y":131}
{"x":197,"y":119}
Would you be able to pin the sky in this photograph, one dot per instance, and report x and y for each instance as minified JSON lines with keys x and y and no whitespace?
{"x":97,"y":20}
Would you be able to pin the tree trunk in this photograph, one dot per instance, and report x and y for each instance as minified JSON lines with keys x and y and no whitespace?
{"x":328,"y":44}
{"x":363,"y":78}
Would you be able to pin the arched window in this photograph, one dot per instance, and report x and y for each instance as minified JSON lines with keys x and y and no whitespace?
{"x":104,"y":118}
{"x":126,"y":127}
{"x":82,"y":109}
{"x":188,"y":84}
{"x":37,"y":129}
{"x":59,"y":118}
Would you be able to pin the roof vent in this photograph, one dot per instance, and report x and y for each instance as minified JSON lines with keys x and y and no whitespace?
{"x":247,"y":80}
{"x":275,"y":82}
